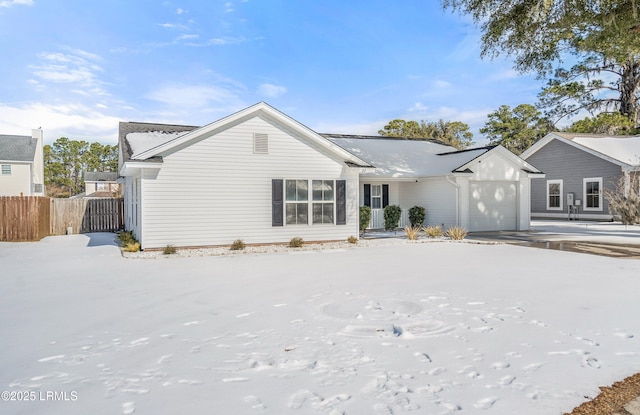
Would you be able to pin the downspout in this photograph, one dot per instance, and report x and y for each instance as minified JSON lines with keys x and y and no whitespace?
{"x":457,"y":186}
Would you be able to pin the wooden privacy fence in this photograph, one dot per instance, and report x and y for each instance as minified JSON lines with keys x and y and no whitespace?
{"x":24,"y":218}
{"x":31,"y":218}
{"x":86,"y":215}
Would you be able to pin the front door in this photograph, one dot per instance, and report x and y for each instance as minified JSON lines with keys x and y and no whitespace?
{"x":376,"y":196}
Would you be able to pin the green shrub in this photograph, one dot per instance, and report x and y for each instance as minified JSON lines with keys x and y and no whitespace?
{"x":456,"y":232}
{"x":125,"y":237}
{"x":412,"y":232}
{"x":237,"y":245}
{"x":392,"y":215}
{"x":417,"y":215}
{"x":433,"y":231}
{"x":296,"y":242}
{"x":365,"y":217}
{"x":352,"y":240}
{"x":169,"y":250}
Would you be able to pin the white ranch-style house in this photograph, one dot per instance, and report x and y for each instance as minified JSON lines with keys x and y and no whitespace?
{"x":260,"y":176}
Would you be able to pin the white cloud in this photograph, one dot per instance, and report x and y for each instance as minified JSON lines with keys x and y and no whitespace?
{"x":228,"y":7}
{"x":183,"y":97}
{"x":77,"y":67}
{"x":70,"y":120}
{"x":181,"y":11}
{"x":9,"y":3}
{"x":271,"y":90}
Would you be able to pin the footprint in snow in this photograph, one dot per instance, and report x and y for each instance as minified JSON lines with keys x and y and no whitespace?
{"x":299,"y":398}
{"x":382,"y":409}
{"x":128,"y":408}
{"x":592,"y":362}
{"x":254,"y":402}
{"x":624,"y":335}
{"x":485,"y":403}
{"x":506,"y":380}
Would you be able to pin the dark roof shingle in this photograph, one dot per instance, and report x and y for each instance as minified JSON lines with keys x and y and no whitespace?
{"x":17,"y":147}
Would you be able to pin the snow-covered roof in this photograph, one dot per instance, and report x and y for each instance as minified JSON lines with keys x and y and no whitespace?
{"x":625,"y":149}
{"x":398,"y":158}
{"x":140,"y":142}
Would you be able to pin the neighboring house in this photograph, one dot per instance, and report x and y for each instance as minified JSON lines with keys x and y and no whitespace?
{"x":579,"y":169}
{"x":261,"y":176}
{"x":101,"y":184}
{"x":22,"y":165}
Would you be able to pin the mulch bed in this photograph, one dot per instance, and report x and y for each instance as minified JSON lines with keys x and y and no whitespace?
{"x":611,"y":398}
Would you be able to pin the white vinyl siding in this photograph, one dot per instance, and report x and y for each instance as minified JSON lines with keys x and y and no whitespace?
{"x":592,"y":194}
{"x":17,"y":179}
{"x":216,"y":191}
{"x":436,"y":195}
{"x":554,"y":194}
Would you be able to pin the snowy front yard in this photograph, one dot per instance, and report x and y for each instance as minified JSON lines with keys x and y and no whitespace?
{"x":431,"y":328}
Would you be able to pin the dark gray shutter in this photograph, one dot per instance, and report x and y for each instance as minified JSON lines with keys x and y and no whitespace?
{"x":367,"y":195}
{"x":341,"y":202}
{"x":276,"y":203}
{"x":385,"y":195}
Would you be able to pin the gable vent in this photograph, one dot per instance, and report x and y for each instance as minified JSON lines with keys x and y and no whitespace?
{"x":260,"y":143}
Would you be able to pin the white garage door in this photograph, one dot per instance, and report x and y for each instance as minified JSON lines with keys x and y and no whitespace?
{"x":492,"y":206}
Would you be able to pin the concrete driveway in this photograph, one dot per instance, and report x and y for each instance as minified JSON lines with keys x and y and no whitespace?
{"x":598,"y":238}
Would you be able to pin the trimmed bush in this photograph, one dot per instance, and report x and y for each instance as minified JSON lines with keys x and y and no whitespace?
{"x":169,"y":250}
{"x":392,"y":215}
{"x":417,"y":215}
{"x":352,"y":240}
{"x":456,"y":232}
{"x":296,"y":242}
{"x":365,"y":218}
{"x":433,"y":231}
{"x":412,"y":232}
{"x":237,"y":245}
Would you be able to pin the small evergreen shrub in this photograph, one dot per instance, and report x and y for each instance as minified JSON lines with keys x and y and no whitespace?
{"x":392,"y":215}
{"x":365,"y":218}
{"x":412,"y":232}
{"x":456,"y":232}
{"x":296,"y":242}
{"x":125,"y":237}
{"x":169,"y":250}
{"x":352,"y":240}
{"x":433,"y":231}
{"x":417,"y":215}
{"x":237,"y":245}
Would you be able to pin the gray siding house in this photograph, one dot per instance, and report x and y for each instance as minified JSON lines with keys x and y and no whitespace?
{"x":579,"y":169}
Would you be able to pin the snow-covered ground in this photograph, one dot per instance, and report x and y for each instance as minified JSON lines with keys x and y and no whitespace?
{"x":424,"y":328}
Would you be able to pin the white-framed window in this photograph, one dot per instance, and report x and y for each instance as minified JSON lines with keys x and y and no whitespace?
{"x":323,"y":192}
{"x":297,"y":202}
{"x":102,"y":187}
{"x":592,"y":191}
{"x":376,"y":196}
{"x":554,"y":194}
{"x":310,"y":202}
{"x":6,"y":169}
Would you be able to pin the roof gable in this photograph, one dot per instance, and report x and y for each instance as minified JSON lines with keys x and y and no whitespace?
{"x":406,"y":159}
{"x":170,"y":141}
{"x":17,"y":148}
{"x":623,"y":151}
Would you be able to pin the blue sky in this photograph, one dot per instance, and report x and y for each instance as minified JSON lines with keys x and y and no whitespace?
{"x":77,"y":68}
